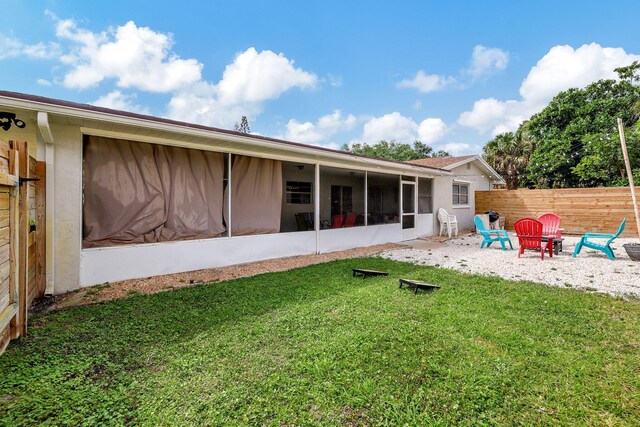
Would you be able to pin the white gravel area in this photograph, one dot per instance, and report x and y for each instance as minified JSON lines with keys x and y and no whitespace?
{"x":590,"y":270}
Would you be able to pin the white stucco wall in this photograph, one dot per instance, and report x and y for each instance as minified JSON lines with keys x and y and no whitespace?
{"x":99,"y":265}
{"x":477,"y":180}
{"x":67,"y":207}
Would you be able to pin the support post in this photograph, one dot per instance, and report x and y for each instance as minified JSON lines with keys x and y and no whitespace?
{"x":22,"y":148}
{"x":629,"y":174}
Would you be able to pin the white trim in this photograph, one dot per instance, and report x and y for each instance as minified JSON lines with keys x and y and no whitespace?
{"x":461,"y":206}
{"x":493,"y":175}
{"x":461,"y":181}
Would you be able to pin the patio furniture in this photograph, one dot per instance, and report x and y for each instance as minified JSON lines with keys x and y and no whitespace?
{"x":417,"y":284}
{"x":529,"y":232}
{"x":557,"y":244}
{"x":368,"y":273}
{"x":551,"y":227}
{"x":447,"y":221}
{"x":303,"y":222}
{"x":336,"y":221}
{"x":488,"y":235}
{"x":350,"y":220}
{"x":603,"y":247}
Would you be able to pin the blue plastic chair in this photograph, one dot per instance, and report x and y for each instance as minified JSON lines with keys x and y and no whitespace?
{"x":584,"y":241}
{"x":501,"y":235}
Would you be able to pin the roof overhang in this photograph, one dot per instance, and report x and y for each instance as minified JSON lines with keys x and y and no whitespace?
{"x":482,"y":164}
{"x":107,"y":122}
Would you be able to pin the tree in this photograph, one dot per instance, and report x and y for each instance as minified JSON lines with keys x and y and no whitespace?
{"x":508,"y":153}
{"x":575,"y":136}
{"x":243,"y":127}
{"x":394,"y":150}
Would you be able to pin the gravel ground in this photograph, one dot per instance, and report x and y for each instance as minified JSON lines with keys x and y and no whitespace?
{"x":590,"y":270}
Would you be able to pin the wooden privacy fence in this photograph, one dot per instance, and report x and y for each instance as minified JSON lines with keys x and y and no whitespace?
{"x":580,"y":209}
{"x":22,"y":223}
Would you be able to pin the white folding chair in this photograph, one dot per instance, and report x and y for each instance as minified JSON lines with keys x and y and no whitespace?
{"x":448,"y":221}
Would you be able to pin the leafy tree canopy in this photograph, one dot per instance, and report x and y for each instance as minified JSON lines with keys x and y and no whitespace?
{"x":392,"y":150}
{"x":573,"y":142}
{"x":508,"y":153}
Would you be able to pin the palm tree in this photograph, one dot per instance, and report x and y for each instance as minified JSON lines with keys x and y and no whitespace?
{"x":508,"y":153}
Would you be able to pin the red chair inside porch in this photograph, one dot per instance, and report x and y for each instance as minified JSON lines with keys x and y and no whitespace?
{"x":550,"y":225}
{"x":529,"y":232}
{"x":350,"y":220}
{"x":336,"y":221}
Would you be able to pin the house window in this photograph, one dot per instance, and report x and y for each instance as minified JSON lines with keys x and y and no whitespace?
{"x":298,"y":192}
{"x":460,"y":194}
{"x":425,"y":199}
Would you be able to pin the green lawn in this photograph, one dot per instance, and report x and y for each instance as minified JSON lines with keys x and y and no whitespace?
{"x":314,"y":346}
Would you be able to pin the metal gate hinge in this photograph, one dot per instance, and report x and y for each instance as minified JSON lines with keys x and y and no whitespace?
{"x":22,"y":180}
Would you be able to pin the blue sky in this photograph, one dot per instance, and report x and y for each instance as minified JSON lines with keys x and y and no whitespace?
{"x":452,"y":74}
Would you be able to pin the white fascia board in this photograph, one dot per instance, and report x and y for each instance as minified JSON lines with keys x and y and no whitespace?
{"x":493,"y":175}
{"x":356,"y":161}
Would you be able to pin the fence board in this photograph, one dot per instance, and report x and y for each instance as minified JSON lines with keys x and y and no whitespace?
{"x":581,"y":209}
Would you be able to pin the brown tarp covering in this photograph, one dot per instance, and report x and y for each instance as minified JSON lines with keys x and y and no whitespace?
{"x":256,"y":196}
{"x":139,"y":193}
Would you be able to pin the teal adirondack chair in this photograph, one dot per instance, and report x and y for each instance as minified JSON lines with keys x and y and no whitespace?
{"x":500,"y":235}
{"x":584,"y":241}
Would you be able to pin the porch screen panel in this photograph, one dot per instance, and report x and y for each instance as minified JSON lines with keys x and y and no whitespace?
{"x":256,"y":196}
{"x":143,"y":193}
{"x":192,"y":181}
{"x":123,"y":194}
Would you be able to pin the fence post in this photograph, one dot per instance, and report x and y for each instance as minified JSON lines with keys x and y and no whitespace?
{"x":629,"y":173}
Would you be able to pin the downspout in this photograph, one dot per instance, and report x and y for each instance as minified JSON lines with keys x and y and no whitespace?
{"x":47,"y":136}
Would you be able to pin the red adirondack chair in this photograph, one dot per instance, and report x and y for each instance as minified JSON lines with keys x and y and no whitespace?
{"x":336,"y":221}
{"x":529,"y":232}
{"x":350,"y":220}
{"x":550,"y":225}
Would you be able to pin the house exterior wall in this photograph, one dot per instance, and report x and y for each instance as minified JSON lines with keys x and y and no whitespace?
{"x":478,"y":181}
{"x":73,"y":267}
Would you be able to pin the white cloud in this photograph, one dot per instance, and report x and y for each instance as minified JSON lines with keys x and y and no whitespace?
{"x":458,"y":148}
{"x":335,"y":81}
{"x":252,"y":79}
{"x":426,"y":83}
{"x":11,"y":47}
{"x":395,"y":126}
{"x":136,"y":57}
{"x":140,"y":58}
{"x":257,"y":77}
{"x":563,"y":67}
{"x":44,"y":82}
{"x":431,"y":130}
{"x":485,"y":60}
{"x":119,"y":101}
{"x":324,"y":128}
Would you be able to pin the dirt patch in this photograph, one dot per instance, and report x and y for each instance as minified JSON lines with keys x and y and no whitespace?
{"x":150,"y":285}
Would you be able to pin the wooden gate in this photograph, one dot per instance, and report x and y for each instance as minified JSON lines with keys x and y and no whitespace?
{"x":21,"y":261}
